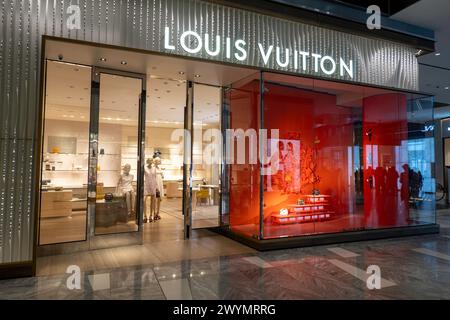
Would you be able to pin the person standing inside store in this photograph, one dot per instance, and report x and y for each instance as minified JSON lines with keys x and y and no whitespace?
{"x":149,"y":191}
{"x":159,"y":185}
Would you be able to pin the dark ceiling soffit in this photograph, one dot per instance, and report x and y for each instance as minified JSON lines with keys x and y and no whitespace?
{"x":388,"y":7}
{"x":327,"y":21}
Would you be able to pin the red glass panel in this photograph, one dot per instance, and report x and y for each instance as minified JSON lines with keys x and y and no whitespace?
{"x":245,"y":177}
{"x":386,"y":171}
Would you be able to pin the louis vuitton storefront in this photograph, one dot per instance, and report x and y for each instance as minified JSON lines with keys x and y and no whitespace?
{"x":273,"y":130}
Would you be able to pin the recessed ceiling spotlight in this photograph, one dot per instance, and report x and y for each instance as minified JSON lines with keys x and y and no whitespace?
{"x":76,"y":69}
{"x":102,"y":59}
{"x":123,"y":62}
{"x":172,"y":108}
{"x":446,"y":88}
{"x":181,"y":72}
{"x":437,"y":54}
{"x":197,"y":76}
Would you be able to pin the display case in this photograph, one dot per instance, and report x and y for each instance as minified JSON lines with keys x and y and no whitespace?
{"x":331,"y":159}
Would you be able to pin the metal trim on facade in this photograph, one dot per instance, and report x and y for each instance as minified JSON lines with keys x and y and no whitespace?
{"x":140,"y":24}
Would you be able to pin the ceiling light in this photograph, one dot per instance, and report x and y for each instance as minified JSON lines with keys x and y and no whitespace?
{"x":437,"y":54}
{"x":197,"y":76}
{"x":181,"y":72}
{"x":76,"y":69}
{"x":172,"y":108}
{"x":446,"y":88}
{"x":123,"y":62}
{"x":102,"y":59}
{"x":71,"y":87}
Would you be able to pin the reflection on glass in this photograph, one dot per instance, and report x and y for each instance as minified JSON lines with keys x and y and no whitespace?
{"x":207,"y":156}
{"x":115,"y":209}
{"x":63,"y":206}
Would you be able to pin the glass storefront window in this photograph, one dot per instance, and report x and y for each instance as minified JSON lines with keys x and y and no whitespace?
{"x":64,"y":176}
{"x":243,"y":171}
{"x":337,"y":158}
{"x":117,"y":169}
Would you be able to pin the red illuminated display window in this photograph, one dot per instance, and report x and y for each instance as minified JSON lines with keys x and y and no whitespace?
{"x":340,"y":161}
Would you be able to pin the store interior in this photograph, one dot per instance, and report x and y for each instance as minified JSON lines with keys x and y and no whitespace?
{"x":63,"y":214}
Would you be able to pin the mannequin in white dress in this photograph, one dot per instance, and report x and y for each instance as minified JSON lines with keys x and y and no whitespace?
{"x":159,"y":185}
{"x":125,"y":188}
{"x":149,"y":191}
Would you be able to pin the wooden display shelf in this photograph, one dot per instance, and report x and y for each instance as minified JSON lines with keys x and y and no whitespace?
{"x":317,"y":199}
{"x":300,"y":208}
{"x":301,"y":218}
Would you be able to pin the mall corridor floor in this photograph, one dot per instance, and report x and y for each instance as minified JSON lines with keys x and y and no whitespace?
{"x":411,"y":268}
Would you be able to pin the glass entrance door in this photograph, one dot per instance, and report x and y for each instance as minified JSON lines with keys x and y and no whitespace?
{"x":203,"y":161}
{"x":116,"y":148}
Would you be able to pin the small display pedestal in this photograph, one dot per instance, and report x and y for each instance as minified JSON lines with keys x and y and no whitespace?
{"x":315,"y":208}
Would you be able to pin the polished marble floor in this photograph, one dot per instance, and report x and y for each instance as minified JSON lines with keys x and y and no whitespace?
{"x":411,"y":268}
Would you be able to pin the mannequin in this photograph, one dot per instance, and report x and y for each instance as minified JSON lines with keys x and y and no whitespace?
{"x":159,"y":185}
{"x":125,"y":188}
{"x":149,"y":191}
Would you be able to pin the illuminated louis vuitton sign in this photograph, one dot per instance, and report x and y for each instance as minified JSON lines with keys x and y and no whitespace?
{"x":191,"y":42}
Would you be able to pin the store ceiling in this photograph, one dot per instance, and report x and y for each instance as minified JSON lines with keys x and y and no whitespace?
{"x":434,"y":67}
{"x":388,"y":7}
{"x":68,"y":94}
{"x":68,"y":98}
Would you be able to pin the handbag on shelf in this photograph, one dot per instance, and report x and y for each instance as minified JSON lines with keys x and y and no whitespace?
{"x":109,"y":197}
